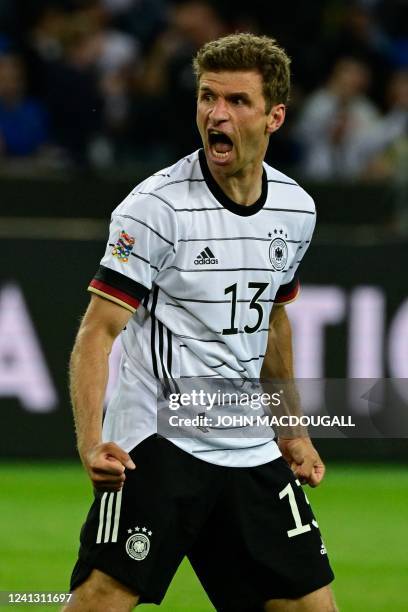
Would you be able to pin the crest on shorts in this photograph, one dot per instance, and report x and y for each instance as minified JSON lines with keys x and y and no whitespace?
{"x":123,"y":247}
{"x":278,"y":253}
{"x":138,"y":544}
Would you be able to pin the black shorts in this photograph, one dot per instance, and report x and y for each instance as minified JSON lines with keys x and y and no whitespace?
{"x":249,"y":533}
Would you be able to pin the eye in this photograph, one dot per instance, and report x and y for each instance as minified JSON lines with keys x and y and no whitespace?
{"x":238,"y":100}
{"x":206,"y":97}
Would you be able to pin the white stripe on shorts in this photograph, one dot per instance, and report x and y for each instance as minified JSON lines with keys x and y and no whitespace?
{"x":101,"y":513}
{"x":117,"y":516}
{"x":108,"y":501}
{"x":108,"y":517}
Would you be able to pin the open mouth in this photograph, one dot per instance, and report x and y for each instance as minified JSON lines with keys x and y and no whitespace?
{"x":220,"y":144}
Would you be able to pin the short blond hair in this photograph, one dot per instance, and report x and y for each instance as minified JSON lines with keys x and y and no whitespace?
{"x":248,"y":52}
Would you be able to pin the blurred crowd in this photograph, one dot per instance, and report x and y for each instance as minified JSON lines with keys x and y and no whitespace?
{"x":107,"y":83}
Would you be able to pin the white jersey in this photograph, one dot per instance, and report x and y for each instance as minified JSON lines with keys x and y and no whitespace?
{"x":200,"y":274}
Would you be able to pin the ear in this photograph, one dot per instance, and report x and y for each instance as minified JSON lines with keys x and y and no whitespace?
{"x":275,"y":118}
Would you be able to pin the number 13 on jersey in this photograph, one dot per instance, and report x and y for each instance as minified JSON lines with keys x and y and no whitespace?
{"x":254,"y":305}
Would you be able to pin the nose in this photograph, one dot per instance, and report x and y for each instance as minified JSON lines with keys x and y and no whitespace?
{"x":219,"y":112}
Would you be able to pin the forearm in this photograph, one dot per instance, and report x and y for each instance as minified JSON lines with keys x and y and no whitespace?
{"x":88,"y":379}
{"x":278,"y":361}
{"x":278,"y":372}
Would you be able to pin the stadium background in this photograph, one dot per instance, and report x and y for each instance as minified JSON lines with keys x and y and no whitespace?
{"x":108,"y":83}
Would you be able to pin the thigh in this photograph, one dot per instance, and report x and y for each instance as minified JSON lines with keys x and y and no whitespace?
{"x":140,"y":535}
{"x":321,"y":600}
{"x":262,"y":542}
{"x":101,"y":592}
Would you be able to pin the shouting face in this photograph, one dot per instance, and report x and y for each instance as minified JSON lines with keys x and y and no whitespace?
{"x":233,"y":120}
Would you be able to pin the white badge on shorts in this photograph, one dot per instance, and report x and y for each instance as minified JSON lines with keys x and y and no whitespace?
{"x":138,"y":544}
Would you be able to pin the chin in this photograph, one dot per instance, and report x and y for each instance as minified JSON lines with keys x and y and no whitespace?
{"x":220,"y":162}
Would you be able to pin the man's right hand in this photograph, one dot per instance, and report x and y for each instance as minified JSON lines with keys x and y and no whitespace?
{"x":105,"y":464}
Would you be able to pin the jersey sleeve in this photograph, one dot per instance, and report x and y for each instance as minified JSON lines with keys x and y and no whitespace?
{"x":290,"y":288}
{"x":142,"y":242}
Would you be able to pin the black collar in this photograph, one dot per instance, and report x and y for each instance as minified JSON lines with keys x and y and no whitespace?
{"x":238,"y":209}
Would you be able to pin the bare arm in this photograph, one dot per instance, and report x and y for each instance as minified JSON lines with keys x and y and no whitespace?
{"x":294,"y":443}
{"x":104,"y":462}
{"x":278,"y":362}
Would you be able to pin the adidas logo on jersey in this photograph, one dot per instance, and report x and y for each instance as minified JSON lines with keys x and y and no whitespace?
{"x":206,"y":257}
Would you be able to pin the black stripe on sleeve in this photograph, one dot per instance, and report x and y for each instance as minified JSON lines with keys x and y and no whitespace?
{"x":121,"y":282}
{"x":288,"y":291}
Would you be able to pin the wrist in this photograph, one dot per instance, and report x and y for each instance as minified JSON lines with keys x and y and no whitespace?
{"x":288,"y":442}
{"x":85,"y":447}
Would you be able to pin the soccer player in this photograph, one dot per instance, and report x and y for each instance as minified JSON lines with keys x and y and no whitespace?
{"x":201,"y":259}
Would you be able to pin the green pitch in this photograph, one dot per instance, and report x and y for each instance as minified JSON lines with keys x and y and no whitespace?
{"x":362,"y":512}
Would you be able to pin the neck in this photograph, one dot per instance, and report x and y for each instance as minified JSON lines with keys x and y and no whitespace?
{"x":244,"y":187}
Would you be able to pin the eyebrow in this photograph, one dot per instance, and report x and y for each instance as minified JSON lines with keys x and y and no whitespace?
{"x":234,"y":94}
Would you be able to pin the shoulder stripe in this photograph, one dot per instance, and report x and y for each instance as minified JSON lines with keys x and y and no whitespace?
{"x":145,"y":260}
{"x":188,"y":180}
{"x":154,"y":195}
{"x":149,"y":227}
{"x":283,"y":182}
{"x":200,"y":209}
{"x":290,"y":210}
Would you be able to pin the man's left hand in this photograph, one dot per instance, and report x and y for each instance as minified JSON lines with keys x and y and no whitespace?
{"x":303,"y":459}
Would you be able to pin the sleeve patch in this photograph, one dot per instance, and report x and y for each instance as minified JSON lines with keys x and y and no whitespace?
{"x":123,"y":247}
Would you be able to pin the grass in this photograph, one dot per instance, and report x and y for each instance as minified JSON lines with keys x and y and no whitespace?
{"x":362,"y":511}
